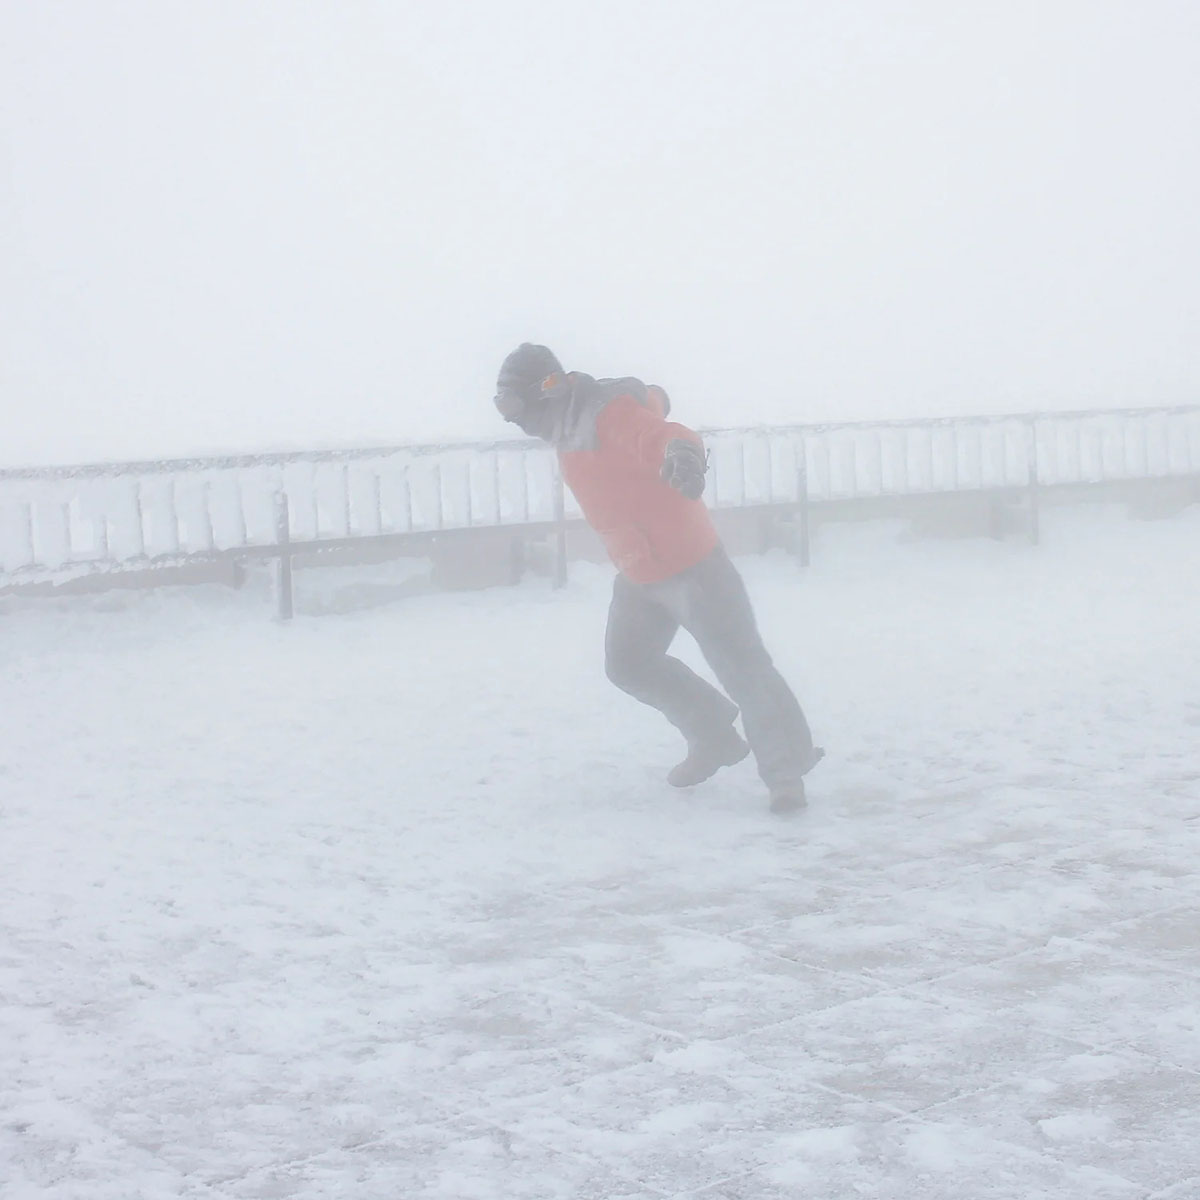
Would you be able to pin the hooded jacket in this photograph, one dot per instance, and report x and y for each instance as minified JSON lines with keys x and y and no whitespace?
{"x":611,"y":436}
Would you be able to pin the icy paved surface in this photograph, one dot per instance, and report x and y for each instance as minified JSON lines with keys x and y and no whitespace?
{"x":392,"y":904}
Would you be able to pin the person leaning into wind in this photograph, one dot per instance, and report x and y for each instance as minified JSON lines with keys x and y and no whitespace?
{"x":639,"y":478}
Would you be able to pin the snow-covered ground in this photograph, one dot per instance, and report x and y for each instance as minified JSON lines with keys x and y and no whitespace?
{"x":392,"y":902}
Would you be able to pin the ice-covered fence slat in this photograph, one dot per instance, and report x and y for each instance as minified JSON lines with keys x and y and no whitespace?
{"x":1189,"y":436}
{"x":1158,"y":446}
{"x":83,"y":539}
{"x":918,"y":459}
{"x":893,"y":473}
{"x":1185,"y":443}
{"x":757,"y":469}
{"x":511,"y":481}
{"x":1043,"y":446}
{"x":820,"y":465}
{"x":17,"y":550}
{"x":330,"y":486}
{"x":298,"y":481}
{"x":785,"y":481}
{"x":1091,"y":450}
{"x":231,"y":529}
{"x":843,"y":464}
{"x":194,"y":513}
{"x":1019,"y":442}
{"x":50,"y":524}
{"x":420,"y":495}
{"x":543,"y":489}
{"x":943,"y":459}
{"x":256,"y":492}
{"x":364,"y":500}
{"x":457,"y":506}
{"x":872,"y":459}
{"x":395,"y":496}
{"x":1173,"y":456}
{"x":971,"y":451}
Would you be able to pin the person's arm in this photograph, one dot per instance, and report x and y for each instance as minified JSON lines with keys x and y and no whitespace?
{"x":639,"y":435}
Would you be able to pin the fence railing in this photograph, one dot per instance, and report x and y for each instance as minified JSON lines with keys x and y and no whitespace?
{"x":61,"y":522}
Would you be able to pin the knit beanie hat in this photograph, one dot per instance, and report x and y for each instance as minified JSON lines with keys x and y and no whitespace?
{"x":522,"y":372}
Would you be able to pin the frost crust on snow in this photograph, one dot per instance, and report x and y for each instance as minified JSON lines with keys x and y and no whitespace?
{"x":396,"y":903}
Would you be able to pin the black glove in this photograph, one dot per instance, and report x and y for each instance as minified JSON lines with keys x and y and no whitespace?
{"x":684,"y":465}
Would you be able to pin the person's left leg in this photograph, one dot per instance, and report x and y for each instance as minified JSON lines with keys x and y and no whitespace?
{"x":718,"y":614}
{"x":639,"y":634}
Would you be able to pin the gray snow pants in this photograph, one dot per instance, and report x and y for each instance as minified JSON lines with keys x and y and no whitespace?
{"x":710,"y":601}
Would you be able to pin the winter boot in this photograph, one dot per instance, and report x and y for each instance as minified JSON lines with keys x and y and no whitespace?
{"x":705,"y":759}
{"x":791,"y":798}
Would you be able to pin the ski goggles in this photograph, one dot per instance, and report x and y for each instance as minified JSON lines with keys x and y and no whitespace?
{"x":513,"y":402}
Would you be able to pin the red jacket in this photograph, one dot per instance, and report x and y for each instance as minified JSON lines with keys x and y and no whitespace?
{"x":650,"y":530}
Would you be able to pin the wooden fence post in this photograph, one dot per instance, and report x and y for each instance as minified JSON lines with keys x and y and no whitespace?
{"x":283,"y":570}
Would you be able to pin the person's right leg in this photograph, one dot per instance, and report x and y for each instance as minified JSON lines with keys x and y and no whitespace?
{"x":719,"y":615}
{"x":640,"y":631}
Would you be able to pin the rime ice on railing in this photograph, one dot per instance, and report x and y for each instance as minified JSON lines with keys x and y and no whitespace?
{"x":62,"y":521}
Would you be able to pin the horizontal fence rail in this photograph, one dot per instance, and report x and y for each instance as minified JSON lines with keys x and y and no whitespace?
{"x":60,"y":522}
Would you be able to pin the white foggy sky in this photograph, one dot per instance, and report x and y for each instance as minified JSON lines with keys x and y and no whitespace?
{"x":228,"y":224}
